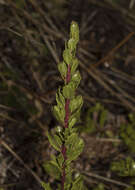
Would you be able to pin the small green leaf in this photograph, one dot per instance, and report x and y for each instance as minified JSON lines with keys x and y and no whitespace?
{"x":124,"y":167}
{"x":52,"y":170}
{"x":67,"y":56}
{"x":56,"y":112}
{"x":127,"y":132}
{"x":59,"y":113}
{"x":62,"y":67}
{"x":74,"y":146}
{"x":69,"y":90}
{"x":46,"y":186}
{"x":74,"y":31}
{"x":74,"y":65}
{"x":58,"y":140}
{"x":60,"y":160}
{"x":76,"y":103}
{"x":76,"y":115}
{"x":78,"y":184}
{"x":57,"y":161}
{"x":72,"y":122}
{"x":90,"y":125}
{"x":98,"y":107}
{"x":76,"y":78}
{"x":60,"y":101}
{"x":61,"y":97}
{"x":103,"y":118}
{"x":72,"y":44}
{"x":53,"y":142}
{"x":69,"y":131}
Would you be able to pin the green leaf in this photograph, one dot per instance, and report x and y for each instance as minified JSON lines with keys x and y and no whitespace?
{"x":97,"y":107}
{"x":58,"y":140}
{"x":76,"y":78}
{"x":54,"y":142}
{"x":90,"y":126}
{"x":60,"y":160}
{"x":69,"y":90}
{"x":78,"y":184}
{"x":62,"y":67}
{"x":56,"y":112}
{"x":46,"y":186}
{"x":74,"y":66}
{"x":74,"y":31}
{"x":59,"y":113}
{"x":76,"y":103}
{"x":74,"y":146}
{"x":57,"y":161}
{"x":76,"y":115}
{"x":72,"y":44}
{"x":67,"y":56}
{"x":72,"y":122}
{"x":60,"y":102}
{"x":124,"y":167}
{"x":52,"y":169}
{"x":68,"y":179}
{"x":69,"y":131}
{"x":61,"y":97}
{"x":103,"y":117}
{"x":127,"y":132}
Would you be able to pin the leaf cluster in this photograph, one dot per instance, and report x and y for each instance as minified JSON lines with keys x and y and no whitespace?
{"x":124,"y":167}
{"x":90,"y":124}
{"x":127,"y":132}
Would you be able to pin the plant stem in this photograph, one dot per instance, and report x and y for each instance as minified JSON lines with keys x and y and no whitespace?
{"x":63,"y":150}
{"x":67,"y":114}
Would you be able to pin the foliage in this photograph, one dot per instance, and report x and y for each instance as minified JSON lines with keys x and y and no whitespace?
{"x":124,"y":167}
{"x":127,"y":133}
{"x":67,"y":111}
{"x":90,"y":124}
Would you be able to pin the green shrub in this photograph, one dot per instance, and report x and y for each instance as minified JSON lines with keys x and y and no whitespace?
{"x":67,"y":111}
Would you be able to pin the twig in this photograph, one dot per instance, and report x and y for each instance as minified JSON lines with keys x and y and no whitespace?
{"x":96,"y":75}
{"x":5,"y":145}
{"x":89,"y":174}
{"x":114,"y":49}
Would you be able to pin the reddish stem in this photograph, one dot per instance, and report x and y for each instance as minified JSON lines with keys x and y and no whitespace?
{"x":63,"y":148}
{"x":63,"y":151}
{"x":67,"y":113}
{"x":68,"y":75}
